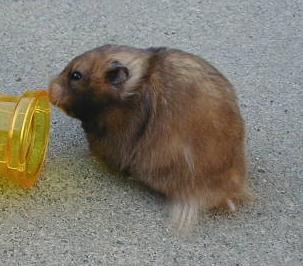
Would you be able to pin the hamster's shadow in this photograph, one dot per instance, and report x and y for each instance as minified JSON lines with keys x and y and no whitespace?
{"x":76,"y":173}
{"x":124,"y":179}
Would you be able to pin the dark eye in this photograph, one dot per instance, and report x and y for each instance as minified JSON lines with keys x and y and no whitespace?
{"x":76,"y":75}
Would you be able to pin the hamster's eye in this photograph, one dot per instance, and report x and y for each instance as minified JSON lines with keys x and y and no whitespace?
{"x":76,"y":75}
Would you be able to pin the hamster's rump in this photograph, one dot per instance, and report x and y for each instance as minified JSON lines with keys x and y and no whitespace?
{"x":165,"y":116}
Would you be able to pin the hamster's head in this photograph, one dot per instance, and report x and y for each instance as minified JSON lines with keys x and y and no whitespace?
{"x":100,"y":78}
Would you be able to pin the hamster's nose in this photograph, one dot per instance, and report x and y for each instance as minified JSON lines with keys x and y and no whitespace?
{"x":55,"y":93}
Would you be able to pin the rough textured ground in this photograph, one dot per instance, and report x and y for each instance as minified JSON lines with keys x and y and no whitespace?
{"x":79,"y":214}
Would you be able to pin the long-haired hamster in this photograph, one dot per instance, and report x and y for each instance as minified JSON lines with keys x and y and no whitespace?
{"x":166,"y":117}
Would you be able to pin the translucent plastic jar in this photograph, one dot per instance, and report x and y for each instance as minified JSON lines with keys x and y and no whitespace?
{"x":24,"y":135}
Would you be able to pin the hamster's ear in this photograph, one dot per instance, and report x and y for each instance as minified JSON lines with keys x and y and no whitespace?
{"x":117,"y":74}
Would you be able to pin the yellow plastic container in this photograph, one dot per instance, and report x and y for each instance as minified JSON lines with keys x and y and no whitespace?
{"x":24,"y":134}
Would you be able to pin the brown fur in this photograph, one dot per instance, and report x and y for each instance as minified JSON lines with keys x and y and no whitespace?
{"x":174,"y":124}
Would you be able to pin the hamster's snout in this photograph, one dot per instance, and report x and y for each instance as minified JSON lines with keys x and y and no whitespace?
{"x":55,"y":93}
{"x":58,"y":97}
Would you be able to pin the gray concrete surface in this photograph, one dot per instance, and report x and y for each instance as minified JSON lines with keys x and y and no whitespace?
{"x":79,"y":214}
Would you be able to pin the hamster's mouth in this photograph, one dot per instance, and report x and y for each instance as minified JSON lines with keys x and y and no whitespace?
{"x":61,"y":102}
{"x":58,"y":103}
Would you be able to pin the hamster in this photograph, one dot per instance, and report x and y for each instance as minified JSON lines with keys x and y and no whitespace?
{"x":166,"y":117}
